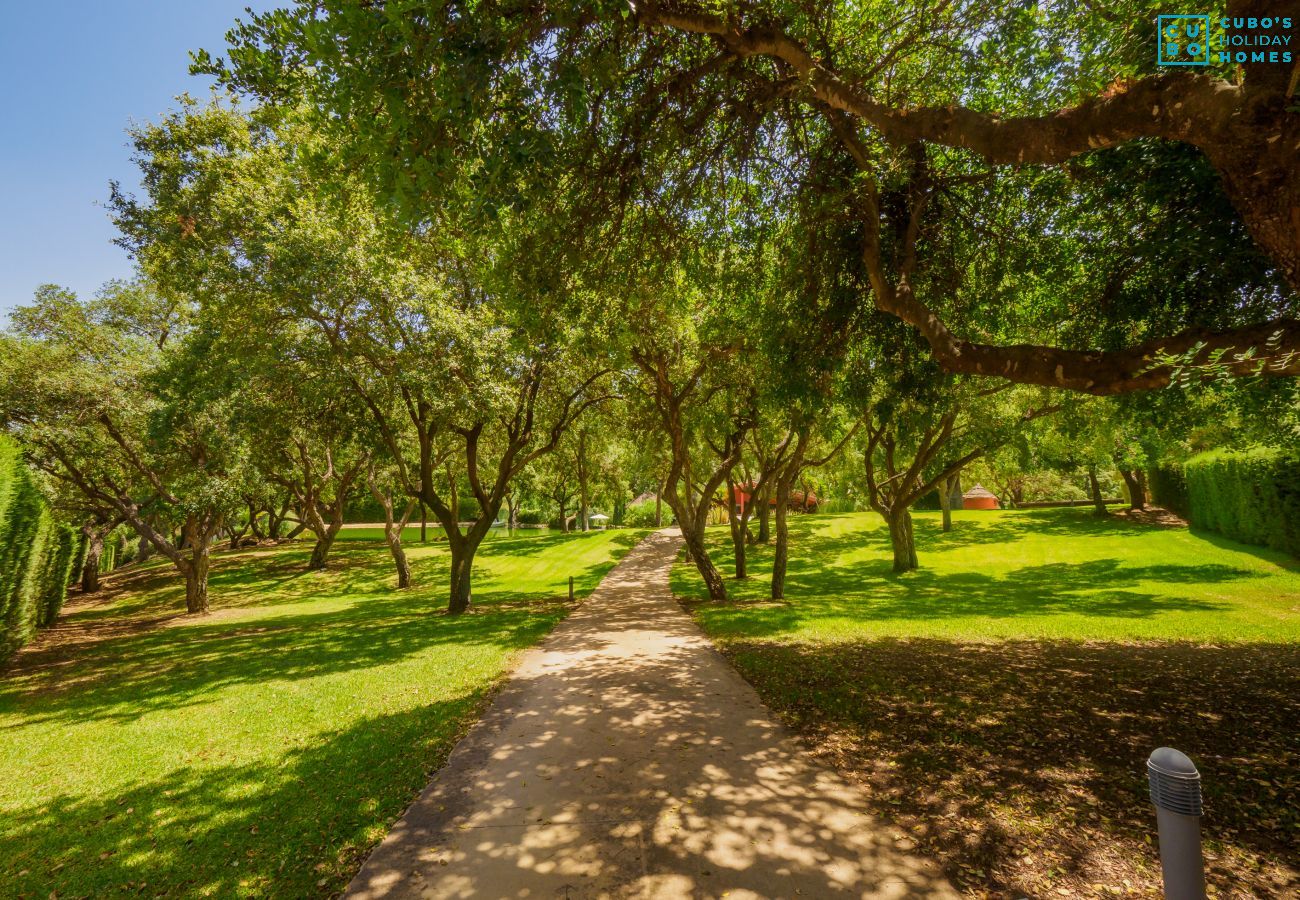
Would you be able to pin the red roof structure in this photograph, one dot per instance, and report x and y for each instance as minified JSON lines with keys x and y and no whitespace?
{"x":799,"y":501}
{"x":979,"y":497}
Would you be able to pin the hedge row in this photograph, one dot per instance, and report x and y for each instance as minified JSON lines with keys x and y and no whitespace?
{"x":1250,"y":496}
{"x":36,"y":555}
{"x":1168,"y":485}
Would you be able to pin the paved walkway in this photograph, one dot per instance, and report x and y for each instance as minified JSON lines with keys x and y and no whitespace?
{"x":626,"y":758}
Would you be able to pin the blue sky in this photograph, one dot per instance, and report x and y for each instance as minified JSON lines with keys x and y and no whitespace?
{"x":74,"y":74}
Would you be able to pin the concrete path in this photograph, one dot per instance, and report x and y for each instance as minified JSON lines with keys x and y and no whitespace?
{"x":626,"y":758}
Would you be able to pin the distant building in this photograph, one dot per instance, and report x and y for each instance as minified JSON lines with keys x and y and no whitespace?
{"x":979,"y":497}
{"x":799,"y":501}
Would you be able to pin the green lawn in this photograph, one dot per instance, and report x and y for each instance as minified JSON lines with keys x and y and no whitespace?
{"x":263,"y":749}
{"x":999,"y":704}
{"x":411,"y":533}
{"x":1058,"y":573}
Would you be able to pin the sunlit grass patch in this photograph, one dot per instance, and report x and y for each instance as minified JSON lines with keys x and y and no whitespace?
{"x":265,"y":748}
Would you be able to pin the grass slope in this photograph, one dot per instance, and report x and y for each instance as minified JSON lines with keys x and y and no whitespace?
{"x":999,"y":704}
{"x":261,"y":750}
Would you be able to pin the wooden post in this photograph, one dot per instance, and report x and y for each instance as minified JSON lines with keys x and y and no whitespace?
{"x":570,"y":588}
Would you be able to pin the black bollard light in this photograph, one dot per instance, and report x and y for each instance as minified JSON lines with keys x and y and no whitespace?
{"x":1176,"y":793}
{"x":570,"y":588}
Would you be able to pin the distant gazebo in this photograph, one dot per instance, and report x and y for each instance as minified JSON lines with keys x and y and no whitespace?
{"x":979,"y":497}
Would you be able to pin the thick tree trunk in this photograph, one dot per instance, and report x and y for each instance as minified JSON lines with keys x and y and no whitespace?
{"x":94,"y":554}
{"x":781,"y":553}
{"x":196,"y":578}
{"x":143,"y":550}
{"x":462,"y":568}
{"x":1244,"y":126}
{"x":275,"y":521}
{"x":713,"y":581}
{"x":902,"y":540}
{"x":737,"y":524}
{"x":1135,"y":480}
{"x":1094,"y":486}
{"x":320,"y":553}
{"x":253,"y":514}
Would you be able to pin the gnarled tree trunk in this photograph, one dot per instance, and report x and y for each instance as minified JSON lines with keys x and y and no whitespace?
{"x":94,"y":535}
{"x":902,"y":540}
{"x":737,"y":523}
{"x":1136,"y":481}
{"x":1094,"y":487}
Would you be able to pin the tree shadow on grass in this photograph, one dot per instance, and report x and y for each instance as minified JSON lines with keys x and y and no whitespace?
{"x":128,"y":676}
{"x":126,"y":667}
{"x":1021,"y":764}
{"x":293,"y":825}
{"x":1101,"y":588}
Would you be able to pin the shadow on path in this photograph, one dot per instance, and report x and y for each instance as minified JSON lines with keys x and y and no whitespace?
{"x":626,"y":758}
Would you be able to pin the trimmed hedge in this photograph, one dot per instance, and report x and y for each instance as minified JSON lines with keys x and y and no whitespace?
{"x":36,"y":554}
{"x":1168,"y":485}
{"x":1250,"y":496}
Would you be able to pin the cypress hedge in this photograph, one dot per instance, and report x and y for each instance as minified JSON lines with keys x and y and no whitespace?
{"x":36,"y":554}
{"x":1252,"y":496}
{"x":1168,"y":485}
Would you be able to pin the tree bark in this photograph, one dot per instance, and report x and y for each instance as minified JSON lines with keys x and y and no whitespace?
{"x":785,"y":476}
{"x":463,"y":550}
{"x":198,"y":533}
{"x":945,"y":504}
{"x":143,"y":550}
{"x":320,"y":552}
{"x":1135,"y":480}
{"x":393,"y":535}
{"x":712,"y":578}
{"x":196,"y":580}
{"x":584,"y":522}
{"x":1098,"y":506}
{"x":393,"y":526}
{"x":902,"y":540}
{"x":94,"y":554}
{"x":1245,"y":130}
{"x":737,"y":524}
{"x":765,"y":515}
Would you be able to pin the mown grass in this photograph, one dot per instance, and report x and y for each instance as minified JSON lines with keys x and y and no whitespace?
{"x":1059,"y":573}
{"x":999,"y":704}
{"x":262,"y":750}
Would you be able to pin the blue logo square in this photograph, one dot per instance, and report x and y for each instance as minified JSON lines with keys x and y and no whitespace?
{"x":1184,"y":40}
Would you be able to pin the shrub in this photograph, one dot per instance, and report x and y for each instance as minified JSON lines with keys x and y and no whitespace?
{"x":642,"y":515}
{"x":35,"y":554}
{"x":1168,"y":486}
{"x":929,"y":501}
{"x":531,"y":517}
{"x":58,"y":573}
{"x":844,"y":505}
{"x":1250,"y":496}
